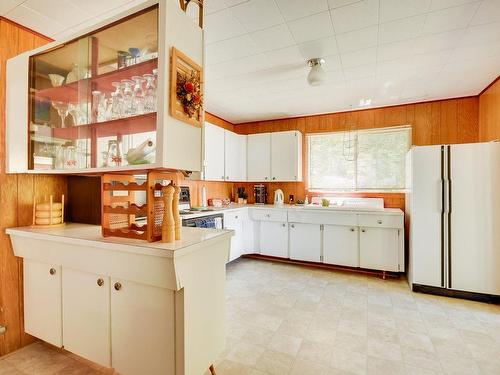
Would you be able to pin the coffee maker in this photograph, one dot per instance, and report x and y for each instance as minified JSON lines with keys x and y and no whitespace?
{"x":260,"y":194}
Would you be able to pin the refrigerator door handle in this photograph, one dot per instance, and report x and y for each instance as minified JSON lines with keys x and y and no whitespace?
{"x":446,"y":196}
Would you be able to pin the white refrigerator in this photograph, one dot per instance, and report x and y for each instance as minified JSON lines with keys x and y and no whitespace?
{"x":454,"y":212}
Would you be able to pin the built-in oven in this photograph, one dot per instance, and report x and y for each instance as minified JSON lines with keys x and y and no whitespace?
{"x":206,"y":221}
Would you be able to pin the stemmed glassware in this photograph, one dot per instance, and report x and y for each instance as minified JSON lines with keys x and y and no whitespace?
{"x":138,"y":94}
{"x":76,"y":113}
{"x":116,"y":100}
{"x":62,"y":111}
{"x":128,"y":97}
{"x":149,"y":93}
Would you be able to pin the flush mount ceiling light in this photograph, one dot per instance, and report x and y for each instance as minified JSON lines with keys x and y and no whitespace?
{"x":317,"y":75}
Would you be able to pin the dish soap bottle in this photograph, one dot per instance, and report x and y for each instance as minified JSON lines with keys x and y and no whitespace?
{"x":306,"y":201}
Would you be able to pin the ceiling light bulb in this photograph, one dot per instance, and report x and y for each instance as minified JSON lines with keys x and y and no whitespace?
{"x":317,"y":75}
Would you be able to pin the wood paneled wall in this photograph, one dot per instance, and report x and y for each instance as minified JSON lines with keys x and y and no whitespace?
{"x":489,"y":113}
{"x":437,"y":122}
{"x":16,"y":197}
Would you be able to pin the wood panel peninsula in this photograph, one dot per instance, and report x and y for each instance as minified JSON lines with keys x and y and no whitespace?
{"x":126,"y":304}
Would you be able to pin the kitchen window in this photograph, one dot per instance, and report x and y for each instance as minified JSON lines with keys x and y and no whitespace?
{"x":359,"y":161}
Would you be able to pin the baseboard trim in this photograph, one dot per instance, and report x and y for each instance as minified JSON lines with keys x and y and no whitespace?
{"x":375,"y":273}
{"x":480,"y":297}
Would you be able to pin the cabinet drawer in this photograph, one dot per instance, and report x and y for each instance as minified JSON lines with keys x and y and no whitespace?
{"x":262,"y":214}
{"x":382,"y":221}
{"x":322,"y":217}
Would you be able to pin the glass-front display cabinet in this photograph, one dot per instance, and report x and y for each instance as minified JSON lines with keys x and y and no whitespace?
{"x":98,"y":101}
{"x":93,"y":100}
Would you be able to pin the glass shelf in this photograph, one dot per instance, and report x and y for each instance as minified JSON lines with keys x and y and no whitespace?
{"x":93,"y":99}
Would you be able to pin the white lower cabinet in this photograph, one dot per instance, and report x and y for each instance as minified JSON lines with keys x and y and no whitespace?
{"x":234,"y":220}
{"x":86,"y":317}
{"x":43,"y":301}
{"x":274,"y":238}
{"x":379,"y":248}
{"x":142,"y":314}
{"x":305,"y":242}
{"x":340,"y":245}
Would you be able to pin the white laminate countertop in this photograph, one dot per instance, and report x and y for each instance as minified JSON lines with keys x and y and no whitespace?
{"x":90,"y":235}
{"x":232,"y":207}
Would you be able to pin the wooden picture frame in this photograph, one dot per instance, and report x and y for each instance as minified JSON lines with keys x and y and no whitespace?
{"x":180,"y":63}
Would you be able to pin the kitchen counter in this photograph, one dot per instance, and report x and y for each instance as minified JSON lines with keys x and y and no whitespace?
{"x":90,"y":235}
{"x":137,"y":307}
{"x":232,"y":207}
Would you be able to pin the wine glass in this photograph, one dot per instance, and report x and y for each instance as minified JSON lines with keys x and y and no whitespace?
{"x":117,"y":103}
{"x":138,"y":94}
{"x":62,"y":111}
{"x":127,"y":97}
{"x":149,"y":93}
{"x":76,"y":113}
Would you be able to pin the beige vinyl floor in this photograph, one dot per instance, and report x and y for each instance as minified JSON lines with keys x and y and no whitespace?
{"x":293,"y":320}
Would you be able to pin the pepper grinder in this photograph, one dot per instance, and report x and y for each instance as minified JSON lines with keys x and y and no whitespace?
{"x":175,"y":212}
{"x":168,"y":225}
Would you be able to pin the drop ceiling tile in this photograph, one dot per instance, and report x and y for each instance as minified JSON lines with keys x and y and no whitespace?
{"x":358,"y":58}
{"x":319,"y":48}
{"x":489,"y":11}
{"x":392,"y":51}
{"x":213,"y":6}
{"x":394,"y":9}
{"x":230,"y":49}
{"x":359,"y":72}
{"x":450,"y":18}
{"x":222,"y":25}
{"x":311,"y":27}
{"x":244,"y":65}
{"x":332,"y":63}
{"x":34,"y":20}
{"x":275,"y":37}
{"x":403,"y":29}
{"x":293,"y":9}
{"x":97,"y":8}
{"x":340,"y":3}
{"x":7,"y":5}
{"x":442,"y":4}
{"x":438,"y":42}
{"x":257,"y":14}
{"x":285,"y":55}
{"x":482,"y":33}
{"x":355,"y":16}
{"x":356,"y":40}
{"x":476,"y":51}
{"x":66,"y":14}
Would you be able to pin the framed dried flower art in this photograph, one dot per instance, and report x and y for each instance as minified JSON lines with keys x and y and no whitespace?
{"x":186,"y":89}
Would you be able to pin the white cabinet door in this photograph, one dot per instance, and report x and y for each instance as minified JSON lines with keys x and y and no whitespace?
{"x":42,"y":301}
{"x":142,"y":314}
{"x":286,"y":156}
{"x":235,"y":146}
{"x":16,"y":114}
{"x":379,"y":248}
{"x":214,"y":152}
{"x":259,"y":157}
{"x":86,"y":317}
{"x":305,"y":242}
{"x":340,"y":245}
{"x":233,"y":220}
{"x":274,"y":239}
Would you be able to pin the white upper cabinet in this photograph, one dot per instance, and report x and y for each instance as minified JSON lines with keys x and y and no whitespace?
{"x":235,"y":156}
{"x":225,"y":154}
{"x":72,"y":104}
{"x":286,"y":156}
{"x":274,"y":156}
{"x":259,"y":157}
{"x":214,"y":153}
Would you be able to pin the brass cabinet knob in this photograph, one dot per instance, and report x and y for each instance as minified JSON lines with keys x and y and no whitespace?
{"x":293,"y":226}
{"x":118,"y":286}
{"x":352,"y":229}
{"x":52,"y":271}
{"x":265,"y":178}
{"x":284,"y":225}
{"x":274,"y":178}
{"x":236,"y":217}
{"x":100,"y":281}
{"x":379,"y":221}
{"x":363,"y":230}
